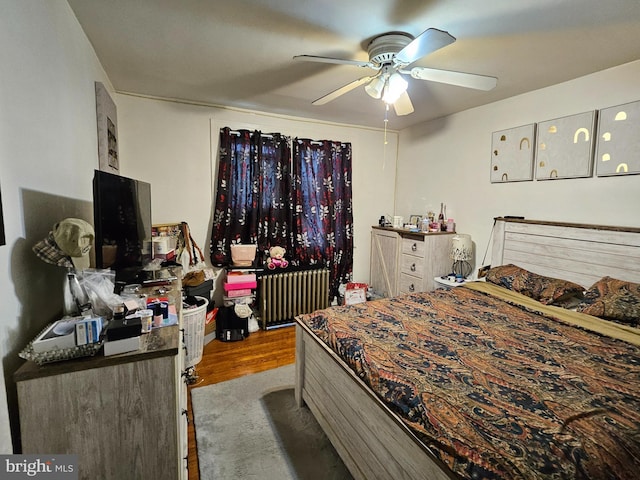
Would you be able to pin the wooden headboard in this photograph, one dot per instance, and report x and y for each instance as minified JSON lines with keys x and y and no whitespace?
{"x":571,"y":251}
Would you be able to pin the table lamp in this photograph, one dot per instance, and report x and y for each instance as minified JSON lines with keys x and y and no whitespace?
{"x":461,"y":253}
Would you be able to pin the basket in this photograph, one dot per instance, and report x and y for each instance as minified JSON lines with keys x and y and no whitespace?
{"x":243,"y":255}
{"x":193,"y":321}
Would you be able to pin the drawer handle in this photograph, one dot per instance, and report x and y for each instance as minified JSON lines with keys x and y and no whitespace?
{"x":413,"y":267}
{"x":414,"y":247}
{"x":412,"y":288}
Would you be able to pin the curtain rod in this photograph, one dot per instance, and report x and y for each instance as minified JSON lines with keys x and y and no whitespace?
{"x":314,"y":142}
{"x":266,"y":135}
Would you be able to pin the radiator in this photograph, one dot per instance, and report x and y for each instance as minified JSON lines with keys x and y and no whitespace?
{"x":285,"y":295}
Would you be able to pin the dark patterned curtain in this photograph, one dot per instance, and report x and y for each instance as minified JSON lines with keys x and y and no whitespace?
{"x":323,"y":215}
{"x":253,"y":194}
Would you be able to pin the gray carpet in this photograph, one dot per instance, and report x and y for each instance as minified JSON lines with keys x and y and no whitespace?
{"x":251,"y":428}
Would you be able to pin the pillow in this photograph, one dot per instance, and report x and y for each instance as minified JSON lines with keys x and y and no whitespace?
{"x":613,"y":299}
{"x":546,"y":290}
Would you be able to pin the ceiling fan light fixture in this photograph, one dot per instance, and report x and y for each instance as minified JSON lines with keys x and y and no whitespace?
{"x":375,"y":87}
{"x":396,"y":86}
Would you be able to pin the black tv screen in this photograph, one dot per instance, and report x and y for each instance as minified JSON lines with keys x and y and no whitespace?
{"x":122,"y":221}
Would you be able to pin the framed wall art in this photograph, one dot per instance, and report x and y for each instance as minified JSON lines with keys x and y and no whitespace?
{"x":106,"y":116}
{"x":564,"y":147}
{"x":512,"y":154}
{"x":618,"y":144}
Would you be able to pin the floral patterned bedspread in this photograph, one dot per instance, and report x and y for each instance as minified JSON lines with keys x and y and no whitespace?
{"x":496,"y":390}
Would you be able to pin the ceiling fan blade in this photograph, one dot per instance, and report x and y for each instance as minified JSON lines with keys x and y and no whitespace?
{"x":339,"y":61}
{"x":468,"y":80}
{"x":403,"y":105}
{"x":427,"y":42}
{"x":341,"y":91}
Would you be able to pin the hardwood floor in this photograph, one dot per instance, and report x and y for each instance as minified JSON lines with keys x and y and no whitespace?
{"x":262,"y":350}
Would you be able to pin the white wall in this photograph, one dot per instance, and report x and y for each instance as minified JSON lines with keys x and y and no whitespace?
{"x":48,"y":151}
{"x":174,"y":146}
{"x":448,"y":160}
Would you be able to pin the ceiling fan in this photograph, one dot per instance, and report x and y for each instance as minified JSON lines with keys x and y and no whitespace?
{"x":390,"y":54}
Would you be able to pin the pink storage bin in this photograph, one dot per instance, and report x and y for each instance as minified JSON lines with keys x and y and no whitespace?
{"x":241,"y":277}
{"x":239,"y":293}
{"x":240,"y":286}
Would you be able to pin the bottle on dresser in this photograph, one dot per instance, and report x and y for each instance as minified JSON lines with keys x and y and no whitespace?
{"x":441,"y":217}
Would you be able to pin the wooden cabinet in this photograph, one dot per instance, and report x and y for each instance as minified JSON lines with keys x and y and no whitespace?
{"x":123,"y":415}
{"x":405,"y":262}
{"x":384,"y":261}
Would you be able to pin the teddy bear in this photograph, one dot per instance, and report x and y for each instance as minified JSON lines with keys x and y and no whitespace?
{"x":276,"y":258}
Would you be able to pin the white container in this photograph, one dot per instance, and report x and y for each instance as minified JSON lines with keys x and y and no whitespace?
{"x":193,"y":320}
{"x":398,"y":221}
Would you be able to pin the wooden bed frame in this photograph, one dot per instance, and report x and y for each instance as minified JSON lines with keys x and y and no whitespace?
{"x":372,"y":441}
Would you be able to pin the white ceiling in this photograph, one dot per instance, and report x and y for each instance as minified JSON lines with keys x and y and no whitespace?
{"x":239,"y":53}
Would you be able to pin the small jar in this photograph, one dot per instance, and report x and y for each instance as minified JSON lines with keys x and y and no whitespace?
{"x":451,"y":226}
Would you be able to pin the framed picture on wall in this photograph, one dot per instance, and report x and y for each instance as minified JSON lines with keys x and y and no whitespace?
{"x":618,"y":145}
{"x":512,"y":154}
{"x":565,"y":147}
{"x":106,"y":116}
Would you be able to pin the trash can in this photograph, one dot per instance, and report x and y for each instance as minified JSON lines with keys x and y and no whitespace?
{"x":193,"y":319}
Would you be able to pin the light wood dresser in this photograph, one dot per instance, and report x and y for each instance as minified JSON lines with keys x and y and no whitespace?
{"x":406,"y":262}
{"x":125,"y":416}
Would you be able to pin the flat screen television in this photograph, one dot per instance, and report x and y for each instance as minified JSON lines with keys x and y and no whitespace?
{"x":122,"y":222}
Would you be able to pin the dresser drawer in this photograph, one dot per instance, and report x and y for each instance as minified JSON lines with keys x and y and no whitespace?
{"x":412,"y":265}
{"x":412,"y":246}
{"x":409,"y":284}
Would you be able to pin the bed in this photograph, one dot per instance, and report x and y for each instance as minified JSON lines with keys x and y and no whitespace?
{"x":488,"y":380}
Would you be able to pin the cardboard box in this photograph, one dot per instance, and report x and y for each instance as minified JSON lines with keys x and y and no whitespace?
{"x":244,"y":292}
{"x":355,"y":293}
{"x":238,"y":277}
{"x":240,"y":285}
{"x":88,"y":330}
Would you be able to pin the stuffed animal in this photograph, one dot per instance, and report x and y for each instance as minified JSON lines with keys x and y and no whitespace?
{"x":276,"y":258}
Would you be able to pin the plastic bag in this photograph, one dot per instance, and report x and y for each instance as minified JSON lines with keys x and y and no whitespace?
{"x":99,"y":285}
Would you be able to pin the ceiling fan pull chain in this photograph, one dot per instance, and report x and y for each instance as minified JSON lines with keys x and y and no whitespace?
{"x":386,"y":121}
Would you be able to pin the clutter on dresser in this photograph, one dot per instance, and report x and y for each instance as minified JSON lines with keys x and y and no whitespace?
{"x":58,"y":341}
